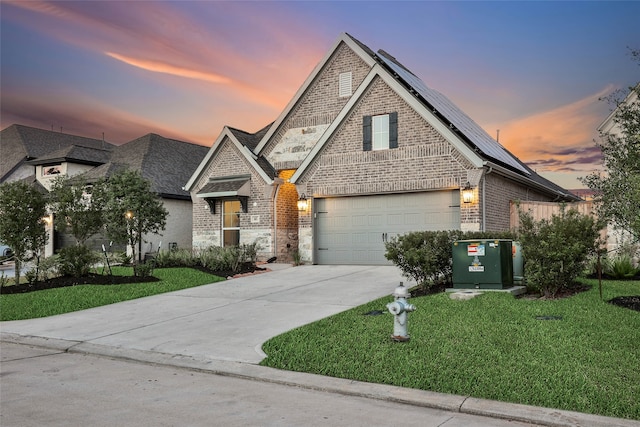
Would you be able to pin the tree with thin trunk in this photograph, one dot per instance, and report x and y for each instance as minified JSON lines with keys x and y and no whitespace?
{"x":617,"y":189}
{"x":22,"y":226}
{"x":131,"y":209}
{"x":75,"y":210}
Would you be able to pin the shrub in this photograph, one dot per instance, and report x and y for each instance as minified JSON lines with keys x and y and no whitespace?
{"x":143,"y":269}
{"x":621,"y":267}
{"x":77,"y":260}
{"x":426,"y":256}
{"x":555,"y":250}
{"x":48,"y":267}
{"x":230,"y":258}
{"x":177,"y":258}
{"x":214,"y":258}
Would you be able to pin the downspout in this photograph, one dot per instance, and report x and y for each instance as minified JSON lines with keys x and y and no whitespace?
{"x":484,"y":202}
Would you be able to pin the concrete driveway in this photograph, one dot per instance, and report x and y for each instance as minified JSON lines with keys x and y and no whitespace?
{"x":222,"y":321}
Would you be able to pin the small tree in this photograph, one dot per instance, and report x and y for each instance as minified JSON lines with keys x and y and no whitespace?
{"x":75,"y":209}
{"x":22,"y":208}
{"x":131,"y":209}
{"x":617,"y":191}
{"x":555,"y":250}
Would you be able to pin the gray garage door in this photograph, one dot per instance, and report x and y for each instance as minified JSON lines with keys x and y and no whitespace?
{"x":352,"y":230}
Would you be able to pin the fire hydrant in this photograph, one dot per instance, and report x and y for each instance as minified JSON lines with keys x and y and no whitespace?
{"x":400,"y":308}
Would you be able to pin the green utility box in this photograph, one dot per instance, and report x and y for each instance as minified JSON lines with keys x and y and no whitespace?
{"x":482,"y":264}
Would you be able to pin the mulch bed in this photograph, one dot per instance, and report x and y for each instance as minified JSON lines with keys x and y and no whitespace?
{"x":632,"y":302}
{"x":103,"y":279}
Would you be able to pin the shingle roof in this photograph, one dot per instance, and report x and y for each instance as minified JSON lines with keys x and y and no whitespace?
{"x":20,"y":143}
{"x":251,"y":141}
{"x":224,"y":185}
{"x":75,"y":154}
{"x":167,"y":163}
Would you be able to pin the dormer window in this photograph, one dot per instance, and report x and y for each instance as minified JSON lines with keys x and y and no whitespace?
{"x":51,"y":170}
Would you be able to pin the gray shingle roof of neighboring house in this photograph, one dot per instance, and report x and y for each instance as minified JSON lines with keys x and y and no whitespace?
{"x":19,"y":144}
{"x":251,"y":141}
{"x":167,"y":163}
{"x":75,"y":154}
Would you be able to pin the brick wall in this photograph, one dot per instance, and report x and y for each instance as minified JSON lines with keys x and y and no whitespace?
{"x":255,"y":225}
{"x":424,"y":160}
{"x":499,"y":192}
{"x":287,"y":214}
{"x":321,"y":104}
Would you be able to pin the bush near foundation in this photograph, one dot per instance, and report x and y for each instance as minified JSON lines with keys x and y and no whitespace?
{"x":426,"y":256}
{"x":556,"y":250}
{"x":214,"y":258}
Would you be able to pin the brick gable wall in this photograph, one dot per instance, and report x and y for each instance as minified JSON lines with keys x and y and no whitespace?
{"x":424,"y":160}
{"x":255,"y":225}
{"x":320,"y":104}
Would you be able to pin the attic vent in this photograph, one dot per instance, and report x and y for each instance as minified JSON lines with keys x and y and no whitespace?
{"x":345,"y":84}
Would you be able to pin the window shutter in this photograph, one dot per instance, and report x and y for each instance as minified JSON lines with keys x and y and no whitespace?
{"x":366,"y":133}
{"x":393,"y":130}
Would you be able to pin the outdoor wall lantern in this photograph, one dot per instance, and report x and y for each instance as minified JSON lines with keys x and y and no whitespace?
{"x":303,"y":203}
{"x":467,"y":193}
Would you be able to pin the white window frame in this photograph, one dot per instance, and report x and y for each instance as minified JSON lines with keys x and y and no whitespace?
{"x":224,"y":216}
{"x":380,"y":132}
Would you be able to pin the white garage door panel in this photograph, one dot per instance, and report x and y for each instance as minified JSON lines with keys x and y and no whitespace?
{"x":351,"y":230}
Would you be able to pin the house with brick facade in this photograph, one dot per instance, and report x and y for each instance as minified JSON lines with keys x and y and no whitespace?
{"x":363,"y":152}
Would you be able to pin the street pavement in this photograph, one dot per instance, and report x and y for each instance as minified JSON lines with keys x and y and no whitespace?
{"x":191,"y":358}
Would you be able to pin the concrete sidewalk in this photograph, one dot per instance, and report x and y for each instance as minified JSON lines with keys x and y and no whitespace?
{"x":221,"y":327}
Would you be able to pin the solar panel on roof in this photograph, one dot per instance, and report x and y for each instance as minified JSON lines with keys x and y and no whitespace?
{"x":489,"y":146}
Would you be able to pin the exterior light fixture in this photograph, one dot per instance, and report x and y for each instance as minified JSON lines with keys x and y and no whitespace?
{"x":128,"y":214}
{"x":303,"y":203}
{"x":467,"y":193}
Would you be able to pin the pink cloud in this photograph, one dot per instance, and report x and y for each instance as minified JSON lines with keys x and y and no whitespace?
{"x":161,"y":67}
{"x":560,"y":138}
{"x":262,"y":63}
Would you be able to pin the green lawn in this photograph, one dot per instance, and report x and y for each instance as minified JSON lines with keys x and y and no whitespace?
{"x":489,"y":347}
{"x":63,"y":300}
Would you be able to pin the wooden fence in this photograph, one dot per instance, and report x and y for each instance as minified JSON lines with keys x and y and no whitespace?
{"x":545,"y":210}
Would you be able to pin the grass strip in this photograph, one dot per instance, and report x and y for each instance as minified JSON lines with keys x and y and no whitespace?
{"x":492,"y":347}
{"x":73,"y":298}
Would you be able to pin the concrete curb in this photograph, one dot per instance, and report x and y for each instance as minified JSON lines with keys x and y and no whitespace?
{"x":453,"y":403}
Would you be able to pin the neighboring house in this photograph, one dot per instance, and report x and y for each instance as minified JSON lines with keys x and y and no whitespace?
{"x":370,"y":152}
{"x":21,"y":144}
{"x":39,"y":156}
{"x":609,"y":125}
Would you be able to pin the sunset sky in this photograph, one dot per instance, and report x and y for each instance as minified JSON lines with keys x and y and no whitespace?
{"x":184,"y":69}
